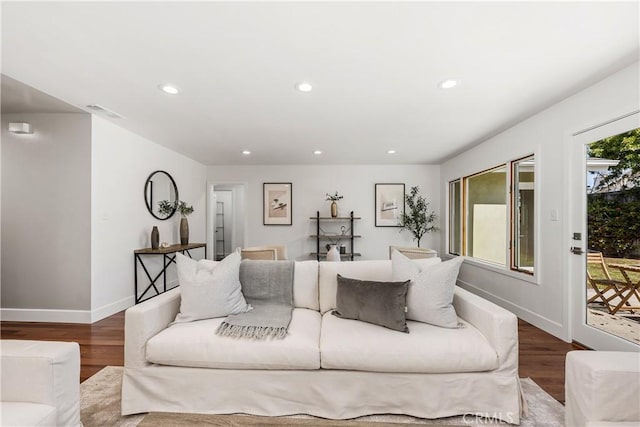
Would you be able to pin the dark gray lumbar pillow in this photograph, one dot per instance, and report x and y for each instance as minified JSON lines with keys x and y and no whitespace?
{"x":380,"y":303}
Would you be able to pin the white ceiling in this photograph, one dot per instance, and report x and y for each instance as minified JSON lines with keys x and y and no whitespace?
{"x":375,"y":67}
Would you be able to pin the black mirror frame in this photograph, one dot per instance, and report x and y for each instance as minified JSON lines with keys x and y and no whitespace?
{"x":146,"y":187}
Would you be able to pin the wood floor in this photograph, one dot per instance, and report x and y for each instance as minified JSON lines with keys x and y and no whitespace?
{"x":542,"y":358}
{"x":102,"y":344}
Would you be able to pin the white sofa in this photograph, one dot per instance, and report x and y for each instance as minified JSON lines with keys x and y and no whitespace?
{"x":326,"y":366}
{"x":40,"y":383}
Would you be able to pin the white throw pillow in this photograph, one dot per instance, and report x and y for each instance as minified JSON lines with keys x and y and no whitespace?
{"x":430,"y":294}
{"x":209,"y":289}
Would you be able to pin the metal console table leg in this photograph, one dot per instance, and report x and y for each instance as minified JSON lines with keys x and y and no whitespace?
{"x":168,"y":258}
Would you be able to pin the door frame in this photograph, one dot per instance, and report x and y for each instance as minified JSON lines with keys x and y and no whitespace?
{"x":211,"y":214}
{"x":577,"y":222}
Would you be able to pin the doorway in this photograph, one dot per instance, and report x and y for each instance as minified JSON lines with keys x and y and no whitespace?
{"x":605,"y":236}
{"x":225,"y":219}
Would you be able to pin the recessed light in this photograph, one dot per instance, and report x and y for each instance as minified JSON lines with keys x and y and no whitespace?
{"x":304,"y":87}
{"x":448,"y":84}
{"x":391,"y":151}
{"x":172,"y":90}
{"x":317,"y":152}
{"x":246,"y":152}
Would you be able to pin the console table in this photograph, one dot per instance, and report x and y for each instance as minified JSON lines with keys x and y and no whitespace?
{"x":168,"y":257}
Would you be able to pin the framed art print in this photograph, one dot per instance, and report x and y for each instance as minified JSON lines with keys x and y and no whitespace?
{"x":276,"y":203}
{"x":389,"y":204}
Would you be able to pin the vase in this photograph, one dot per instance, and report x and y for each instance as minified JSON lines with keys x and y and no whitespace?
{"x":334,"y":209}
{"x":333,"y":254}
{"x":184,"y":231}
{"x":155,"y":238}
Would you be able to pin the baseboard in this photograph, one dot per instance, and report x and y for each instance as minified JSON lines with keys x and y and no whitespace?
{"x":45,"y":315}
{"x":112,"y":308}
{"x":552,"y":327}
{"x":65,"y":316}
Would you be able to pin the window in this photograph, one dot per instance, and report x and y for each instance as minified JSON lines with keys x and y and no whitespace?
{"x":486,"y":216}
{"x":455,"y":223}
{"x":492,"y":215}
{"x":522,"y":231}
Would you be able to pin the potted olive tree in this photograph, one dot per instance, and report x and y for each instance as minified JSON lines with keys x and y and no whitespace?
{"x":416,"y":218}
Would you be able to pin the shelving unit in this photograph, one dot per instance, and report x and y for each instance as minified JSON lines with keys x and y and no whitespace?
{"x":335,"y":237}
{"x":220,"y":254}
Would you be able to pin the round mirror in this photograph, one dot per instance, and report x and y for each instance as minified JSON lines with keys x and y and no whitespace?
{"x":161,"y":195}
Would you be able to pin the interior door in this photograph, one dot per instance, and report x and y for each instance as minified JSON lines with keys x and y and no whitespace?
{"x":592,"y":323}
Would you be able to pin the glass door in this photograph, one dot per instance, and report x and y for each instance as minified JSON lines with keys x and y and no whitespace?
{"x":605,"y":236}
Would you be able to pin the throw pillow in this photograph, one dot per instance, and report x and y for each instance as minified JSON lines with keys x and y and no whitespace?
{"x":430,"y":294}
{"x":380,"y":303}
{"x":209,"y":289}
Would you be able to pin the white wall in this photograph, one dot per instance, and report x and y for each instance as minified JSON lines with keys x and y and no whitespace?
{"x":46,"y":227}
{"x":73,"y":211}
{"x":1,"y":138}
{"x":311,"y":183}
{"x":547,"y":134}
{"x":238,"y":216}
{"x":121,"y":161}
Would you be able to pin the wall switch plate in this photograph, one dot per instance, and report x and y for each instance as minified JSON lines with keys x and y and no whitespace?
{"x":555,"y":215}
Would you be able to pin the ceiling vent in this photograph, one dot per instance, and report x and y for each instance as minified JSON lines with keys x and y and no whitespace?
{"x":99,"y":109}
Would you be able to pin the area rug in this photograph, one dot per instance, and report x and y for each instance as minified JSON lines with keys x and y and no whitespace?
{"x":100,"y":406}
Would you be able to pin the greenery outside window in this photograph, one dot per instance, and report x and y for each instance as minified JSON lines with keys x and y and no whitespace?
{"x":522,"y":214}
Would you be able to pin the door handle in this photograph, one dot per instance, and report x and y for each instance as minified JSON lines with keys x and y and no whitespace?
{"x":576,"y":250}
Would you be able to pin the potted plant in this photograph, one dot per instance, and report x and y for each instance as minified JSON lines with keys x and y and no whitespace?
{"x":185,"y":210}
{"x":166,"y":208}
{"x":334,"y":206}
{"x":416,"y":218}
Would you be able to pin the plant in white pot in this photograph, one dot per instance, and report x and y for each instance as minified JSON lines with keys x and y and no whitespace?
{"x":416,"y":217}
{"x":185,"y":210}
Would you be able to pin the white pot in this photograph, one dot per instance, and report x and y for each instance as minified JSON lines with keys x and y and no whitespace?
{"x":333,"y":254}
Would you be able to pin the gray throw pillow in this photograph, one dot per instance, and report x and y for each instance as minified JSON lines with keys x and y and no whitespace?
{"x":380,"y":303}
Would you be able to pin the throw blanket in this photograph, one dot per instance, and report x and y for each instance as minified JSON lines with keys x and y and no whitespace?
{"x":268,"y":288}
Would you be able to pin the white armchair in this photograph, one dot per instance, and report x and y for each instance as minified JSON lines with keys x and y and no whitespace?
{"x":40,"y":383}
{"x":414,"y":252}
{"x":271,"y":252}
